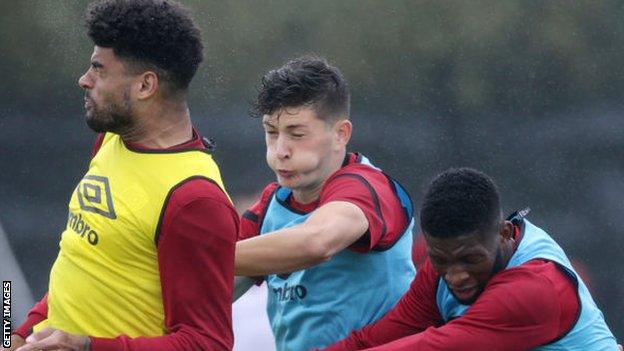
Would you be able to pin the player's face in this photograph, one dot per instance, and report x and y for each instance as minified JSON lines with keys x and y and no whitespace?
{"x":466,"y":262}
{"x":301,"y":148}
{"x":107,"y":93}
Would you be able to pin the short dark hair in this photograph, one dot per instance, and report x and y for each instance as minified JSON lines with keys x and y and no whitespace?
{"x":149,"y":34}
{"x":305,"y":81}
{"x":460,"y":201}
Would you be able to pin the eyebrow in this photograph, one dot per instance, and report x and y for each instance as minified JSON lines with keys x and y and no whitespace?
{"x":290,"y":127}
{"x":295,"y":126}
{"x":458,"y":252}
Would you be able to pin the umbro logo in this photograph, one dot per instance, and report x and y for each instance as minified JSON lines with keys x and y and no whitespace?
{"x":94,"y":195}
{"x":290,"y":292}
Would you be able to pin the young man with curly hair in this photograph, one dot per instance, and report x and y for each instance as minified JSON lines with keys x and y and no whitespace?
{"x":332,"y":237}
{"x":147,"y":258}
{"x":489,"y":284}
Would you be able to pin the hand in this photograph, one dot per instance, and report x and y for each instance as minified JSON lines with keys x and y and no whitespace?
{"x":16,"y":341}
{"x":54,"y":339}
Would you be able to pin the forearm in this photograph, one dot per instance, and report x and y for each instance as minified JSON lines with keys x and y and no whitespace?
{"x":518,"y":311}
{"x":458,"y":338}
{"x":37,"y":314}
{"x":330,"y":229}
{"x":183,"y":339}
{"x":391,"y":327}
{"x":288,"y":250}
{"x":196,"y":263}
{"x":415,"y":312}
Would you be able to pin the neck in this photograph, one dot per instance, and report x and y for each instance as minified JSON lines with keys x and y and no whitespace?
{"x":161,"y":126}
{"x":308,"y":195}
{"x":312,"y":192}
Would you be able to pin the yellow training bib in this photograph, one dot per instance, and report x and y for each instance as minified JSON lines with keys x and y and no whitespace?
{"x":105,"y":280}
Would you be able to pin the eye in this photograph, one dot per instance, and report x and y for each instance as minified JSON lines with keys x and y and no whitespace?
{"x":438,"y":261}
{"x":473,"y":259}
{"x":297,"y":135}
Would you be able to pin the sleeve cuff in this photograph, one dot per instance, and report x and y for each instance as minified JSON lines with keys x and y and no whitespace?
{"x":26,"y":328}
{"x":105,"y":344}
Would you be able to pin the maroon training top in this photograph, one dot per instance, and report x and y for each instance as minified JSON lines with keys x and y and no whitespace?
{"x":521,"y":308}
{"x":359,"y":184}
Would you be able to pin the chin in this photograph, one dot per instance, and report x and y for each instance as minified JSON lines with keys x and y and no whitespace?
{"x":288,"y":184}
{"x":94,"y":125}
{"x":470,"y":300}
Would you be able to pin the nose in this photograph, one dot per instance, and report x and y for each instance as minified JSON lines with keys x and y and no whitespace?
{"x":456,"y":276}
{"x":282,"y":148}
{"x":85,"y":81}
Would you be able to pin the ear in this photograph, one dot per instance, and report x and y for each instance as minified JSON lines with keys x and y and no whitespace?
{"x":506,"y":231}
{"x":343,"y":129}
{"x":146,"y":85}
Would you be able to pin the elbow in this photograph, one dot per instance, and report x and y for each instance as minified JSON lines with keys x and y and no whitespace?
{"x":318,"y":252}
{"x":318,"y":249}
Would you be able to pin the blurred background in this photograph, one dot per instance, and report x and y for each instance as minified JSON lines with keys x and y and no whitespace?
{"x":529,"y":92}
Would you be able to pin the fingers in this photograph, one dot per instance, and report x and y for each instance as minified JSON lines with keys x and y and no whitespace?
{"x":16,"y":342}
{"x":45,"y":344}
{"x":46,"y":339}
{"x":44,"y":333}
{"x":53,"y":339}
{"x":49,"y":343}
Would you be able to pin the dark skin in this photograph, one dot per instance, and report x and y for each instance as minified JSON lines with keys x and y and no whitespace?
{"x":134,"y":106}
{"x":466,"y":262}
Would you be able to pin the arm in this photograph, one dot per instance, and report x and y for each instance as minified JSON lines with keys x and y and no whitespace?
{"x":36,"y":315}
{"x":519,"y":310}
{"x":416,"y":311}
{"x":195,"y":257}
{"x":250,"y":227}
{"x":357,"y":209}
{"x":331,"y":228}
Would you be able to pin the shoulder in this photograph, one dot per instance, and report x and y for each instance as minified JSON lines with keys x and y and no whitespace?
{"x":528,"y":293}
{"x":528,"y":277}
{"x":532,"y":274}
{"x":253,"y":216}
{"x":361,"y":170}
{"x":197,"y":189}
{"x":195,"y":207}
{"x":535,"y":299}
{"x":357,"y":178}
{"x":196,"y":202}
{"x":376,"y":195}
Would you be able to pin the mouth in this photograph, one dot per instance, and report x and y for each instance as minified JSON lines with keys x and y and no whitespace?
{"x":465,"y":294}
{"x":285,"y":174}
{"x":87,"y":103}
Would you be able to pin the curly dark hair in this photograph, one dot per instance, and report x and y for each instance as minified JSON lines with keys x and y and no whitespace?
{"x":304,"y":81}
{"x":460,"y":201}
{"x":149,"y":34}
